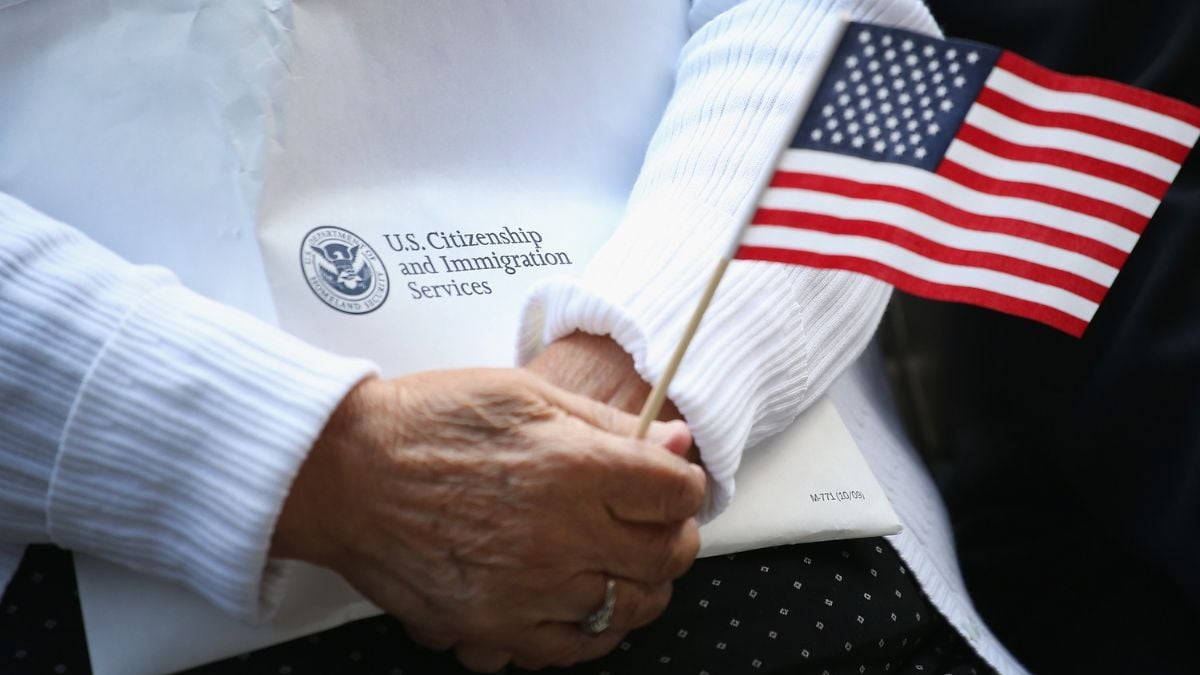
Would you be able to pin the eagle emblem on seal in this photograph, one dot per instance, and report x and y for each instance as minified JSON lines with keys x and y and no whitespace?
{"x":342,"y":267}
{"x":343,"y":271}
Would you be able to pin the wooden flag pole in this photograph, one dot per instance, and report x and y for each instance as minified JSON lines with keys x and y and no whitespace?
{"x":654,"y":402}
{"x":658,"y":395}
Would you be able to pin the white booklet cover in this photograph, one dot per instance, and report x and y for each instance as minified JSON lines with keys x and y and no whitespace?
{"x":808,"y":484}
{"x":427,"y":164}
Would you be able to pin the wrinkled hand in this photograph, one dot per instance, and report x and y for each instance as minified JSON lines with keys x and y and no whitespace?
{"x":597,"y":367}
{"x":486,"y":509}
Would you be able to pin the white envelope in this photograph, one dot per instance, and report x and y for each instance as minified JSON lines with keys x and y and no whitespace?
{"x":808,"y":484}
{"x":341,"y":157}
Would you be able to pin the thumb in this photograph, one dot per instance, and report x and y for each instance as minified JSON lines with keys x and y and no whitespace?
{"x":673,"y":435}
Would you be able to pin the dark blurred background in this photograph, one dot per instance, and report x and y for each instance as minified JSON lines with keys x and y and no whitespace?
{"x":1072,"y":467}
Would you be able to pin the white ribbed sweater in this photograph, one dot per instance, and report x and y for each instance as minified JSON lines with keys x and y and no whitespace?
{"x":143,"y":423}
{"x":775,"y":336}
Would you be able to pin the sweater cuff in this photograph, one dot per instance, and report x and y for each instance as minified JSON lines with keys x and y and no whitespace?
{"x":770,"y":342}
{"x":643,"y":292}
{"x":184,"y":441}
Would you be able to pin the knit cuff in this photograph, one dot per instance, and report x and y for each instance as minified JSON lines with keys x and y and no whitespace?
{"x":184,"y":441}
{"x":643,"y":292}
{"x":63,"y":296}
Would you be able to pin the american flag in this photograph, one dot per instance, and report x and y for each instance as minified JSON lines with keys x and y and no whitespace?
{"x":958,"y":171}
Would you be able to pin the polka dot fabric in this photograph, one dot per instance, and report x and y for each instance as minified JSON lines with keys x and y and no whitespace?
{"x":836,"y":607}
{"x":842,"y":608}
{"x":41,"y":626}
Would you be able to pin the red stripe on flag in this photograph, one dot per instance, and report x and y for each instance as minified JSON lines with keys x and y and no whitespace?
{"x":904,"y":281}
{"x":1066,"y":159}
{"x":1120,"y":133}
{"x":1124,"y":93}
{"x":933,"y":250}
{"x":1117,"y":215}
{"x":1109,"y":255}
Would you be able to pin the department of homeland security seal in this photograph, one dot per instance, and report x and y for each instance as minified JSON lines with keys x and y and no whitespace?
{"x":343,"y":271}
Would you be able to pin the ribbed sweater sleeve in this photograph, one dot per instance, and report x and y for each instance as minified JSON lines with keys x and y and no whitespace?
{"x":775,"y":336}
{"x":143,"y":423}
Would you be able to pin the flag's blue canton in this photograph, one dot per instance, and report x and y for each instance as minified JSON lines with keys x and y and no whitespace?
{"x":894,"y":95}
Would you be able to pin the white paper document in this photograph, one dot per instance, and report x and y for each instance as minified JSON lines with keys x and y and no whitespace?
{"x":381,"y":238}
{"x":808,"y":484}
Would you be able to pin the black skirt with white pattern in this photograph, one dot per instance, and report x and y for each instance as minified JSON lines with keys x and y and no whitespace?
{"x":844,"y":607}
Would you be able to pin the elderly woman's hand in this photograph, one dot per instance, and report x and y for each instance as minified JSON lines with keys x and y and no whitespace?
{"x":488,"y":509}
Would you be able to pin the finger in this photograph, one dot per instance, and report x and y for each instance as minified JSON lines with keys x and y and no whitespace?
{"x":635,"y":481}
{"x":481,"y":659}
{"x":616,"y":421}
{"x":649,"y":487}
{"x":637,"y":604}
{"x":437,"y":641}
{"x":563,"y":645}
{"x":645,"y":486}
{"x":649,"y":554}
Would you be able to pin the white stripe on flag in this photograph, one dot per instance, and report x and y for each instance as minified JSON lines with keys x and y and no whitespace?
{"x":1091,"y":105}
{"x":1005,"y":127}
{"x":946,"y":234}
{"x":956,"y":195}
{"x":904,"y":260}
{"x":1051,"y":176}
